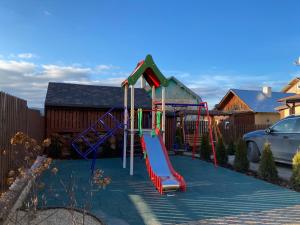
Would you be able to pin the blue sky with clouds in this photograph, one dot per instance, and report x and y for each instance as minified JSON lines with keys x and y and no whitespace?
{"x":210,"y":45}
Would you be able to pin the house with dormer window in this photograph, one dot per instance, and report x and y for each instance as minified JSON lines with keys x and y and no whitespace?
{"x":290,"y":105}
{"x":252,"y":106}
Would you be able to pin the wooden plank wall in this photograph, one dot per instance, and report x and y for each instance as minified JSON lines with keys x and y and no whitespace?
{"x":76,"y":120}
{"x":242,"y":118}
{"x":15,"y":116}
{"x":170,"y":132}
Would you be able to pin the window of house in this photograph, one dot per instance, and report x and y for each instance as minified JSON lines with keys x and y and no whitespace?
{"x":236,"y":107}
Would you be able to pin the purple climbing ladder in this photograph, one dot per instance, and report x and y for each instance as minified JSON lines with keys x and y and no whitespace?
{"x":100,"y":138}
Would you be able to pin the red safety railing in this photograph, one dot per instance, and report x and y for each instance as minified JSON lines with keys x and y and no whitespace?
{"x":174,"y":173}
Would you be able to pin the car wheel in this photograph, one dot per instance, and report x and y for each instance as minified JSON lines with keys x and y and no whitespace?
{"x":252,"y":152}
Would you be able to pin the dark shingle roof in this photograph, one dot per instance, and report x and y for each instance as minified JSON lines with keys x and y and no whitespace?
{"x":258,"y":101}
{"x":91,"y":96}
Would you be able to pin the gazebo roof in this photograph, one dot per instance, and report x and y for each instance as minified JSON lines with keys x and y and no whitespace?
{"x":150,"y":72}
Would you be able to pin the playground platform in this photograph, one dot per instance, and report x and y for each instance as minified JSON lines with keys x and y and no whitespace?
{"x":213,"y":195}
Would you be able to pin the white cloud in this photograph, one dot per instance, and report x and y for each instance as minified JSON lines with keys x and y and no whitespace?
{"x":22,"y":56}
{"x":29,"y":81}
{"x":26,"y":55}
{"x":12,"y":66}
{"x":103,"y":67}
{"x":63,"y":72}
{"x":212,"y":87}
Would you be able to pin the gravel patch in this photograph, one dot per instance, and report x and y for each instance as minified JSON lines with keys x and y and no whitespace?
{"x":54,"y":216}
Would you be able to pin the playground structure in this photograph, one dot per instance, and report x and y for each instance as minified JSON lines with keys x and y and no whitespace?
{"x":159,"y":167}
{"x":147,"y":70}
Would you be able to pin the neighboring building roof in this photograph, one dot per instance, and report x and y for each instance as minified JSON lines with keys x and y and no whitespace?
{"x":91,"y":96}
{"x":257,"y":101}
{"x":179,"y":83}
{"x":281,"y":107}
{"x":294,"y":99}
{"x":150,"y":72}
{"x":290,"y":99}
{"x":292,"y":83}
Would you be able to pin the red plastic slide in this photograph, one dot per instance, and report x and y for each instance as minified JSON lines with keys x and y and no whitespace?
{"x":159,"y":167}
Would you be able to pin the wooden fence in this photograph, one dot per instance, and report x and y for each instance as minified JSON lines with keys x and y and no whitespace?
{"x":15,"y":116}
{"x":233,"y":132}
{"x":189,"y":132}
{"x":229,"y":132}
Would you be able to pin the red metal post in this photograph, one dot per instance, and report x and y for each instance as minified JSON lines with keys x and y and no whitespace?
{"x":211,"y":134}
{"x":196,"y":132}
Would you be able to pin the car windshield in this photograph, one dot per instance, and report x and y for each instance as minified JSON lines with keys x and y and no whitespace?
{"x":297,"y":126}
{"x":286,"y":126}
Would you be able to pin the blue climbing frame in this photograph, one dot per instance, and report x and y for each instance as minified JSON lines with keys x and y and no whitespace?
{"x":92,"y":148}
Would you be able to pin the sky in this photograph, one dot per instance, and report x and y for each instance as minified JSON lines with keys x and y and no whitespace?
{"x":209,"y":45}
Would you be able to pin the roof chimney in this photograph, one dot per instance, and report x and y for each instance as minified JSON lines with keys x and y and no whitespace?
{"x":267,"y":91}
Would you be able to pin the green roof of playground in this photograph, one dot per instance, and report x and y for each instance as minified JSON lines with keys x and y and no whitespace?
{"x":150,"y":72}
